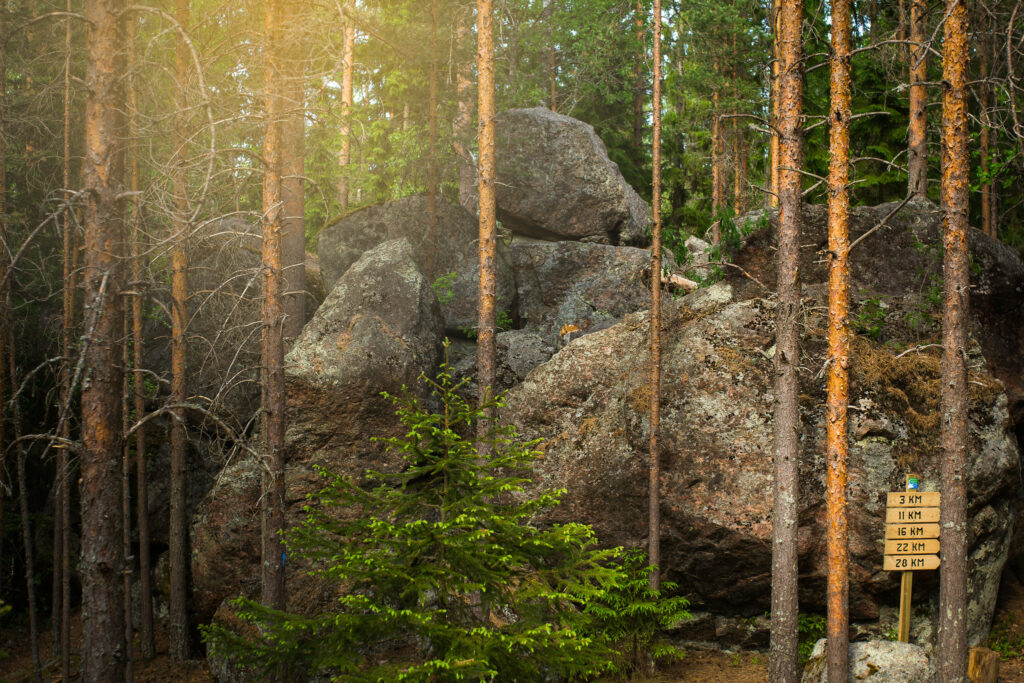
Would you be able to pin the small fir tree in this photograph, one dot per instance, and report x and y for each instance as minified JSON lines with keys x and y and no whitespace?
{"x":440,"y":573}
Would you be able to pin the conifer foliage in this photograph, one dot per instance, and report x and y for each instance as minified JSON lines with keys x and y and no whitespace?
{"x":411,"y":551}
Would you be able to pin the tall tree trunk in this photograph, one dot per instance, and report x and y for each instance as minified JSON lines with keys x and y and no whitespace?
{"x":784,"y":659}
{"x":549,"y":11}
{"x":4,"y":250}
{"x":432,"y":144}
{"x":917,"y":141}
{"x":347,"y":67}
{"x":654,"y":486}
{"x":62,"y":500}
{"x":838,"y":346}
{"x":488,"y":228}
{"x":952,"y":644}
{"x":717,"y":154}
{"x":463,"y":125}
{"x":293,"y":238}
{"x":273,"y":343}
{"x":146,"y":639}
{"x":102,"y":560}
{"x":177,"y":626}
{"x":126,"y":509}
{"x":773,"y":158}
{"x":23,"y":494}
{"x":739,"y":189}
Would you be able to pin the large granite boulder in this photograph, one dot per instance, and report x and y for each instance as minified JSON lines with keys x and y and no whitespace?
{"x":378,"y":330}
{"x":556,"y":182}
{"x":590,"y":404}
{"x":450,"y":260}
{"x":589,"y":286}
{"x":896,"y":281}
{"x":875,"y":661}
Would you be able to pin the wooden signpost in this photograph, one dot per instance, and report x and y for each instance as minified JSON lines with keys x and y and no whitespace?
{"x":911,"y":540}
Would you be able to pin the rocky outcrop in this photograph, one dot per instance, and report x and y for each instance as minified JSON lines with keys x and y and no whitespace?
{"x":573,"y":284}
{"x":877,"y":661}
{"x":449,"y":260}
{"x":590,"y":405}
{"x":896,"y":281}
{"x":378,"y":330}
{"x":556,"y":182}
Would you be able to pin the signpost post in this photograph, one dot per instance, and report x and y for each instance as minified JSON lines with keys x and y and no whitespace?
{"x":911,"y":540}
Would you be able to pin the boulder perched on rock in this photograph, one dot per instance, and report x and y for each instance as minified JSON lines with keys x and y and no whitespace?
{"x":573,"y":284}
{"x":449,"y":259}
{"x":590,"y":404}
{"x":556,"y":182}
{"x":877,"y":661}
{"x":378,"y":330}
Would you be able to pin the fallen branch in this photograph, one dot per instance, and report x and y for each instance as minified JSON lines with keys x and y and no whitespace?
{"x":677,"y":280}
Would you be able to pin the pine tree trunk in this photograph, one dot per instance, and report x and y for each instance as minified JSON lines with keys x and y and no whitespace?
{"x":654,"y":485}
{"x":740,"y":178}
{"x":273,"y":343}
{"x":717,"y":154}
{"x":784,"y":659}
{"x":101,"y":560}
{"x":23,"y":494}
{"x":838,"y":583}
{"x":347,"y":67}
{"x":773,"y":157}
{"x":177,"y":626}
{"x":147,"y":647}
{"x":463,"y":125}
{"x":293,"y":238}
{"x":488,"y":228}
{"x":4,"y":273}
{"x":952,"y":642}
{"x":126,"y":509}
{"x":62,"y":514}
{"x":432,"y":144}
{"x":917,"y":142}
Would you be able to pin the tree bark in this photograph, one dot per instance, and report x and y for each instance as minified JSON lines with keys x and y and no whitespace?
{"x":347,"y":67}
{"x":126,"y":509}
{"x":487,"y":224}
{"x":739,"y":149}
{"x":23,"y":494}
{"x":62,"y":516}
{"x":717,"y":153}
{"x":654,"y":486}
{"x":273,"y":343}
{"x":773,"y":156}
{"x":101,"y":560}
{"x":463,"y":125}
{"x":838,"y":583}
{"x":432,"y":143}
{"x":177,"y":625}
{"x":784,"y":659}
{"x":293,"y":238}
{"x":917,"y":142}
{"x":146,"y":639}
{"x":952,"y":642}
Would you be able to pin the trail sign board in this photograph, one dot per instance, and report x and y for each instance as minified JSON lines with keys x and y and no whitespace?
{"x":911,"y":540}
{"x":926,"y":546}
{"x":904,"y":499}
{"x":911,"y":531}
{"x":910,"y":563}
{"x":909,"y":515}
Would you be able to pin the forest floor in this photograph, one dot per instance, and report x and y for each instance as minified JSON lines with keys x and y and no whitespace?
{"x":699,"y":666}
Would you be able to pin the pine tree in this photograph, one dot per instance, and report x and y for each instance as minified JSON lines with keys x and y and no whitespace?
{"x":425,"y":544}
